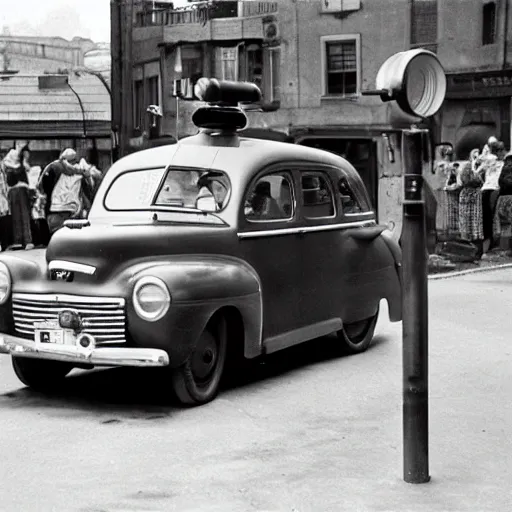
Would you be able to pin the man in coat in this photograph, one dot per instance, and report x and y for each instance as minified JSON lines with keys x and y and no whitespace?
{"x":62,"y":183}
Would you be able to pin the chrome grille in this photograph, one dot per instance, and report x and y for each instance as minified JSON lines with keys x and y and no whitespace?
{"x":103,"y":317}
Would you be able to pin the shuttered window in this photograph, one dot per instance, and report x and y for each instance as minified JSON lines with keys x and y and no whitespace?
{"x":489,"y":23}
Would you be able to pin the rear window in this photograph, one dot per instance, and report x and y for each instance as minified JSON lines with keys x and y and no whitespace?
{"x":177,"y":188}
{"x":353,"y":196}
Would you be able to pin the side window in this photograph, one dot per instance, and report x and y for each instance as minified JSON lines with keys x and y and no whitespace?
{"x":318,"y":201}
{"x":352,"y":202}
{"x":270,"y":199}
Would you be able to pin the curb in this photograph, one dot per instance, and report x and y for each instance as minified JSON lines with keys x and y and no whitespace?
{"x":447,"y":275}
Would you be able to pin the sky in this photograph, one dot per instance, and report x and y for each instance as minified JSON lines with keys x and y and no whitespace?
{"x":64,"y":18}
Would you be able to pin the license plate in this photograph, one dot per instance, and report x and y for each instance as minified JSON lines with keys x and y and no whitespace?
{"x":50,"y":333}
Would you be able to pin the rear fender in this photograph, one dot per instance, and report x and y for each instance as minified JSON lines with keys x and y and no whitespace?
{"x":395,"y":300}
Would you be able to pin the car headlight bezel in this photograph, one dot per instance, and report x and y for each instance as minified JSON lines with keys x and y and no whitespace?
{"x":4,"y":272}
{"x":166,"y":302}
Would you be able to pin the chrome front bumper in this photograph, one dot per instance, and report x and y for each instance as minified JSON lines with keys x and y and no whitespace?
{"x":98,"y":356}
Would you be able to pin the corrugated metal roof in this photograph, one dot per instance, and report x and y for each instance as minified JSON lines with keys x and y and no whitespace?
{"x":53,"y":129}
{"x":22,"y":100}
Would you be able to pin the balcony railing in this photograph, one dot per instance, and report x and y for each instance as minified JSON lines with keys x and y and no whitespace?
{"x":202,"y":14}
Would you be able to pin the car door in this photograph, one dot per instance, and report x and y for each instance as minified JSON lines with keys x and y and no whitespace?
{"x":333,"y":261}
{"x":269,"y":241}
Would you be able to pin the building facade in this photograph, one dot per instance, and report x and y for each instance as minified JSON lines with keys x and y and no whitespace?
{"x":312,"y":59}
{"x":477,"y":58}
{"x":52,"y":111}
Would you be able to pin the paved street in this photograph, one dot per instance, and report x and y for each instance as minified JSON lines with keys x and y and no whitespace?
{"x":300,"y":433}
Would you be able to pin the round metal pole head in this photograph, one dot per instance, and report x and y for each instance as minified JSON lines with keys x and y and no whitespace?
{"x":415,"y":79}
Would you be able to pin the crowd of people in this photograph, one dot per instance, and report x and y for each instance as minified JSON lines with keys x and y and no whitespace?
{"x":478,"y":194}
{"x":35,"y":202}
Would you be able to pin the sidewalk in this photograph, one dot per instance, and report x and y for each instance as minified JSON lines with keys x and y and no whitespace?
{"x":495,"y":258}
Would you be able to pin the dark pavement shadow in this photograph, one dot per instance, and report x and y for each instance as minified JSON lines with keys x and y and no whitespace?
{"x":141,"y":393}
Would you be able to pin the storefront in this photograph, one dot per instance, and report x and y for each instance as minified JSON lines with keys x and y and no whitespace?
{"x":477,"y":106}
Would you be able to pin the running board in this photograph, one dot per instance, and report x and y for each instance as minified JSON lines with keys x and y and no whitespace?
{"x":297,"y":336}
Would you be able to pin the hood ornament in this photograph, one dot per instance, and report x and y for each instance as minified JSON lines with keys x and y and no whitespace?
{"x":62,"y":275}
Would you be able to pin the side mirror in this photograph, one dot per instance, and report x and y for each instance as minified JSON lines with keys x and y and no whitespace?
{"x":205,"y":201}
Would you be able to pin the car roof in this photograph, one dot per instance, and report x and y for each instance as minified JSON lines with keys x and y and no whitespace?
{"x":230,"y":153}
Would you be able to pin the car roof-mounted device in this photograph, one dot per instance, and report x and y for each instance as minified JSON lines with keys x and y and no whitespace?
{"x":226,"y":102}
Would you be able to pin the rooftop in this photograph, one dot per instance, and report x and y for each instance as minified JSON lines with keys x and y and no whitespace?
{"x":22,"y":99}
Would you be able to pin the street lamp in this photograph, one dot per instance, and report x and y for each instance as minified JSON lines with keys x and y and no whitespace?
{"x":84,"y":70}
{"x":416,"y":80}
{"x":97,"y":74}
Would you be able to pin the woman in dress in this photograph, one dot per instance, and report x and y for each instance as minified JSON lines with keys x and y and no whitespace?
{"x":470,"y":207}
{"x":17,"y":164}
{"x":452,"y":192}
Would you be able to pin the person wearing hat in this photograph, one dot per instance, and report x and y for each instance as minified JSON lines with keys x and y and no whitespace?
{"x":61,"y":184}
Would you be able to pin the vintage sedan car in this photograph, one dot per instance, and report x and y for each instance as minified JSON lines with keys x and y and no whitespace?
{"x":196,"y":253}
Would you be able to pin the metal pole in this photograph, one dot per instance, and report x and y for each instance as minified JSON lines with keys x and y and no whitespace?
{"x":84,"y":123}
{"x":415,"y":312}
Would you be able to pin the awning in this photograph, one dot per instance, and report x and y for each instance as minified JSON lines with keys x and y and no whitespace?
{"x":53,"y":129}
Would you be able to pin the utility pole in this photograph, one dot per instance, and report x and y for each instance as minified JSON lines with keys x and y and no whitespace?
{"x":127,"y":45}
{"x":116,"y":55}
{"x":414,"y":311}
{"x":121,"y":14}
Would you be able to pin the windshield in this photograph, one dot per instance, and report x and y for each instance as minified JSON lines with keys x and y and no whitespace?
{"x":207,"y":191}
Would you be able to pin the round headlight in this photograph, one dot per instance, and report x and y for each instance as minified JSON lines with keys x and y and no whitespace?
{"x":5,"y":283}
{"x":151,"y":298}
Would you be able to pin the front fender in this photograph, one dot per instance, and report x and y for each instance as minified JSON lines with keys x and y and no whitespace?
{"x":25,"y":265}
{"x":199,"y":285}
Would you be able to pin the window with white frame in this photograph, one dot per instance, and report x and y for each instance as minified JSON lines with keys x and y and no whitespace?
{"x":229,"y":63}
{"x":192,"y":62}
{"x":341,"y":65}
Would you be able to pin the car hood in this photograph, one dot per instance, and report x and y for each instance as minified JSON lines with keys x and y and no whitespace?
{"x":110,"y":248}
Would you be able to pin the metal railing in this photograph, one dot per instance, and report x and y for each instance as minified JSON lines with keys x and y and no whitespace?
{"x":202,"y":14}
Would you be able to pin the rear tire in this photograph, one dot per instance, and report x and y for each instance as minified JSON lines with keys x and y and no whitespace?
{"x":197,"y":381}
{"x":40,"y":375}
{"x":357,"y":336}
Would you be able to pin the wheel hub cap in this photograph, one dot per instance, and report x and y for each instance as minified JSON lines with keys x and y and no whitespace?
{"x":205,"y":357}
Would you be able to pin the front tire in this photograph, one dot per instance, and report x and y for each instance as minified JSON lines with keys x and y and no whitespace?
{"x":197,"y":381}
{"x":357,"y":336}
{"x":40,"y":375}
